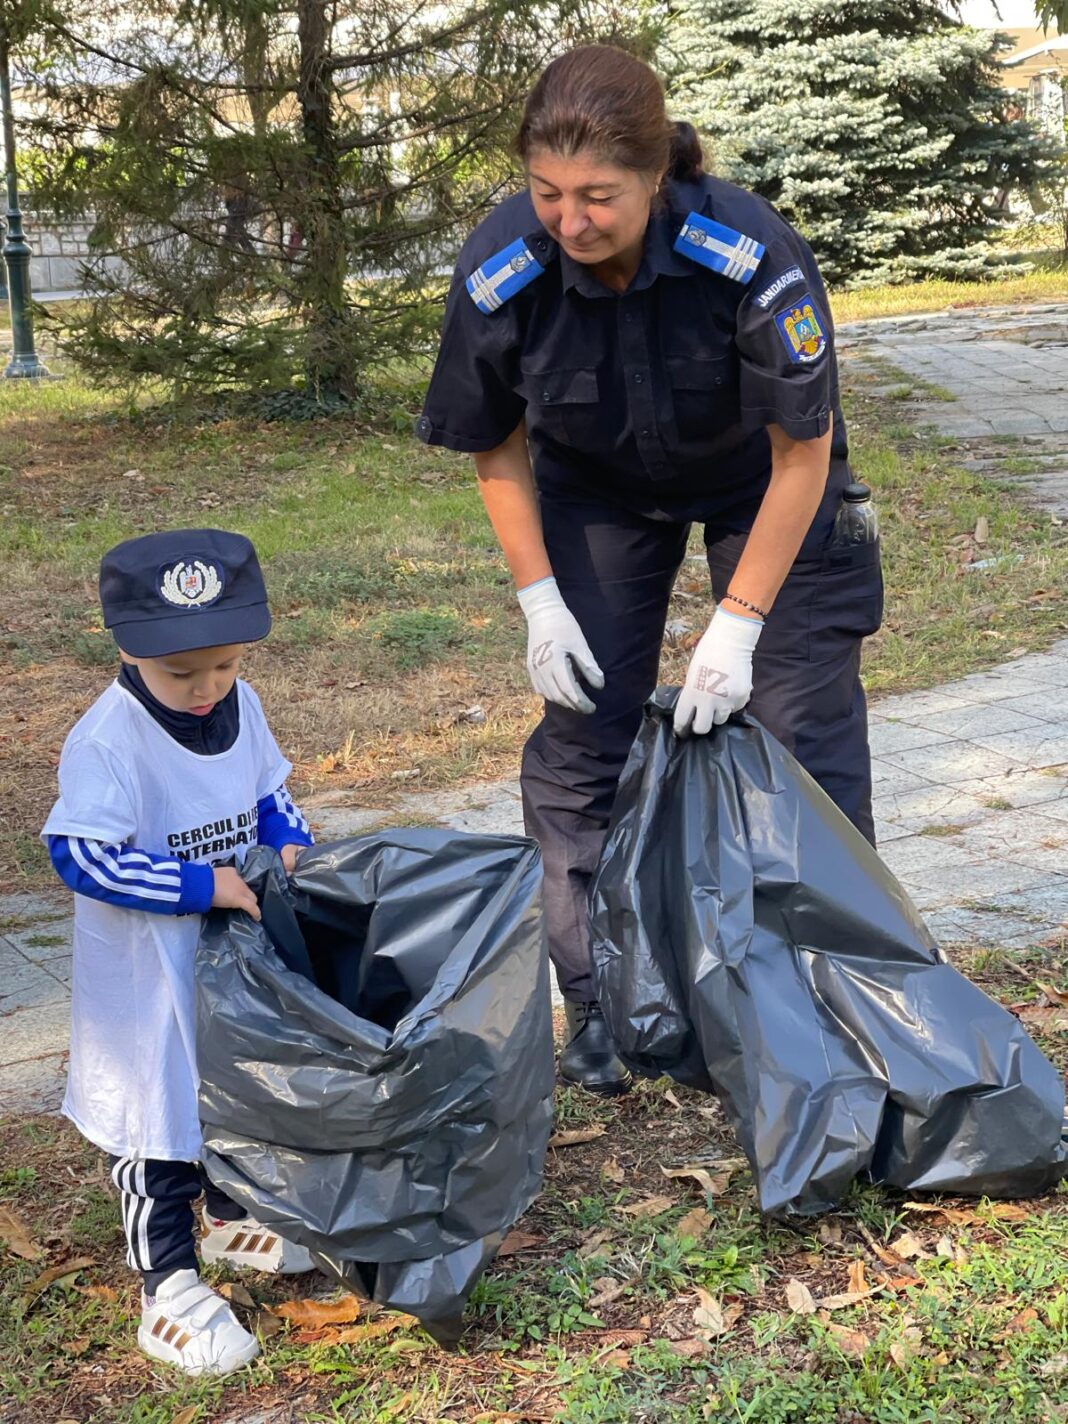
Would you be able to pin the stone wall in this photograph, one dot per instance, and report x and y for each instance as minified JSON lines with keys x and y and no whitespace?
{"x":59,"y":249}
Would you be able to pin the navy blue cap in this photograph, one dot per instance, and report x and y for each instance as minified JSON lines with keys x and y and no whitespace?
{"x":187,"y":588}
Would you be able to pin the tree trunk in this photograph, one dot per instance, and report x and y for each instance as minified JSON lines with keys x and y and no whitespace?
{"x":323,"y":285}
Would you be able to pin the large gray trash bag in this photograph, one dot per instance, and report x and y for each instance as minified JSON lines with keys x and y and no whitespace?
{"x":376,"y":1057}
{"x":748,"y":941}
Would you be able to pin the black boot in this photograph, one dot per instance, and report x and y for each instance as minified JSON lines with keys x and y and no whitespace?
{"x":589,"y":1059}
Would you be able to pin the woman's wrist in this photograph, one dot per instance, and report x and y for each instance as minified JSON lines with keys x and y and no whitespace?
{"x":743,"y":608}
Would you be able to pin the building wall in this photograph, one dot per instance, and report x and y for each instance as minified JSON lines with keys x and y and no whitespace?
{"x":59,"y":249}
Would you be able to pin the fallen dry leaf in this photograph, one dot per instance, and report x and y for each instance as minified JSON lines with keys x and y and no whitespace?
{"x":386,"y":1326}
{"x":15,"y":1232}
{"x":1053,"y":994}
{"x":186,"y":1415}
{"x":616,"y":1359}
{"x":593,"y":1244}
{"x":66,"y":1270}
{"x":689,"y":1349}
{"x":1046,"y":1016}
{"x":952,"y":1215}
{"x":715,"y":1185}
{"x":266,"y":1324}
{"x":910,"y":1247}
{"x":1021,"y":1321}
{"x":889,"y":1257}
{"x":1009,"y":1211}
{"x":896,"y":1283}
{"x":107,"y":1293}
{"x":312,"y":1314}
{"x":850,"y":1342}
{"x":830,"y":1233}
{"x":711,"y":1318}
{"x":517,"y":1241}
{"x":1055,"y":1365}
{"x":947,"y":1248}
{"x":839,"y":1302}
{"x":626,"y":1338}
{"x":694,"y":1224}
{"x":237,"y":1293}
{"x":857,"y":1282}
{"x":576,"y":1136}
{"x":799,"y":1298}
{"x":650,"y":1206}
{"x":709,"y":1313}
{"x":670,"y":1097}
{"x":613,"y":1172}
{"x":77,"y":1346}
{"x":907,"y":1346}
{"x":608,"y":1289}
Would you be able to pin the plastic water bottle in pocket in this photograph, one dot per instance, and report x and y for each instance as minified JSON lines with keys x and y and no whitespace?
{"x":857,"y":520}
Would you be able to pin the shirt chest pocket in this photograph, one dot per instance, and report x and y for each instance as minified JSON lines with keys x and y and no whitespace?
{"x":704,"y":392}
{"x":562,"y":403}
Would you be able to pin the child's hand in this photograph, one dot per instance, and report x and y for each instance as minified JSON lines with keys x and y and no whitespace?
{"x":231,"y":892}
{"x":289,"y":857}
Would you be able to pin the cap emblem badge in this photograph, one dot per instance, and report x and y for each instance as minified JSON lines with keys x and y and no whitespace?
{"x":190,"y":585}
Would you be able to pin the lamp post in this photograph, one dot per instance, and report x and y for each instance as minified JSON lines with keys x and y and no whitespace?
{"x":24,"y":363}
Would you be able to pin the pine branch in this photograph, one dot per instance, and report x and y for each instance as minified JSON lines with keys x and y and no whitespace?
{"x":404,"y":51}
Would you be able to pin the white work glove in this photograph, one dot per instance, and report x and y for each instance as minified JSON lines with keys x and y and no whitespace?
{"x":554,"y":643}
{"x":719,"y":679}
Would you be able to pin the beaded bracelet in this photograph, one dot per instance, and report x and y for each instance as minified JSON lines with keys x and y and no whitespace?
{"x":742,"y":603}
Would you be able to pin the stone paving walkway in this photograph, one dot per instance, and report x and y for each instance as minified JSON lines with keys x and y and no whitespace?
{"x":1005,"y":371}
{"x":971,"y":779}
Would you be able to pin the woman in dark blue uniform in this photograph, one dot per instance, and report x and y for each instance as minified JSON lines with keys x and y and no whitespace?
{"x":630,"y":346}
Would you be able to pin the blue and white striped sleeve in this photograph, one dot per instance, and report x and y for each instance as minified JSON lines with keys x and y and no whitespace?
{"x":131,"y":878}
{"x":280,"y":823}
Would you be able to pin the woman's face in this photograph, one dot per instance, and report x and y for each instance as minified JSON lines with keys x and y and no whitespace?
{"x":593,"y":209}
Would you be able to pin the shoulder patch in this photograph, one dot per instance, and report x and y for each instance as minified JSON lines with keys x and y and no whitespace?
{"x":502,"y":275}
{"x":780,"y":284}
{"x":719,"y":247}
{"x":802,"y":330}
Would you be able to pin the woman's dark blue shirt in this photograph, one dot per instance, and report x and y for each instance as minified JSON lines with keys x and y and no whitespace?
{"x":658,"y":397}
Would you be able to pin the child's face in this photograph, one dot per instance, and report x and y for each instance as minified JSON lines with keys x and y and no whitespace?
{"x":194,"y":681}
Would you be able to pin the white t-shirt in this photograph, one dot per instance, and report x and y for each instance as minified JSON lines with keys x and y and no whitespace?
{"x":132,"y":1080}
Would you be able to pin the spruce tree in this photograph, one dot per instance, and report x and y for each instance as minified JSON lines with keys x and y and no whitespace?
{"x":878,"y":127}
{"x":278,"y":186}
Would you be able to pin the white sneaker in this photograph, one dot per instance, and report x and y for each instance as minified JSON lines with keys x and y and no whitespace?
{"x":247,"y":1243}
{"x":186,"y":1324}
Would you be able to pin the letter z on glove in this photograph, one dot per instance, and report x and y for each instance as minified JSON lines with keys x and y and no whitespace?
{"x":556,"y":647}
{"x":719,"y":679}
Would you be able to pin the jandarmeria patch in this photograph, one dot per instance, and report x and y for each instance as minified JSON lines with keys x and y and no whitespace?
{"x":802,"y":330}
{"x":780,"y":284}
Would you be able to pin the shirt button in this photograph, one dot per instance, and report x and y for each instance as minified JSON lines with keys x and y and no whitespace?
{"x":541,"y":244}
{"x":546,"y":395}
{"x":643,"y":432}
{"x":638,"y":378}
{"x":424,"y":424}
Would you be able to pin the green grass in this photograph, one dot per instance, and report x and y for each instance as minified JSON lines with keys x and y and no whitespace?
{"x":1048,"y":282}
{"x":593,"y":1321}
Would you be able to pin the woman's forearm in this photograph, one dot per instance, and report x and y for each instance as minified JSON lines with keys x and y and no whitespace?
{"x":506,"y":484}
{"x":799,"y":471}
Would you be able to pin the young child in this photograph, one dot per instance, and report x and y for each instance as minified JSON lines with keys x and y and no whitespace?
{"x":164,"y":783}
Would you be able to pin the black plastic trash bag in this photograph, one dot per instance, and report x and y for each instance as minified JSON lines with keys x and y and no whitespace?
{"x":749,"y":941}
{"x":376,"y":1057}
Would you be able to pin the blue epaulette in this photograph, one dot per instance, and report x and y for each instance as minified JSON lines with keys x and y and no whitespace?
{"x":719,"y":247}
{"x":502,"y":275}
